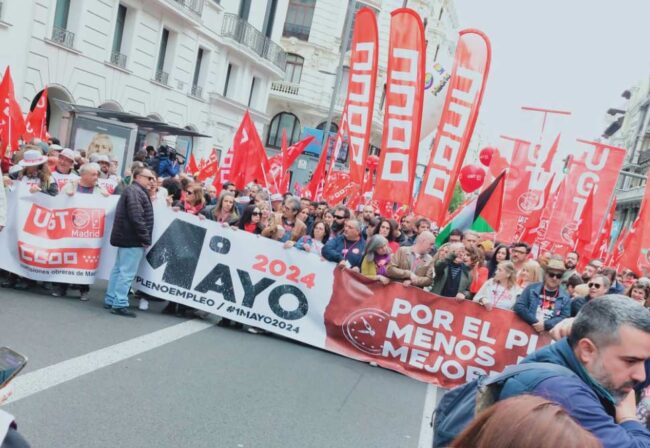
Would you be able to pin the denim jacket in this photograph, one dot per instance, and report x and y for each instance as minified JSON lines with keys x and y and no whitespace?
{"x":529,"y":300}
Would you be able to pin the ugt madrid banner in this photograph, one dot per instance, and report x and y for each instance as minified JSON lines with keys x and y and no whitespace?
{"x":595,"y":167}
{"x":58,"y":239}
{"x":360,"y":102}
{"x":255,"y":281}
{"x":459,"y":114}
{"x":404,"y":100}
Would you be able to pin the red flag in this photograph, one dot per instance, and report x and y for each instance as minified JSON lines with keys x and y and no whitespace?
{"x":595,"y":166}
{"x":250,"y":162}
{"x":534,"y":219}
{"x":636,"y":252}
{"x":617,"y":251}
{"x":318,"y":176}
{"x":601,"y":248}
{"x":360,"y":102}
{"x":210,"y":168}
{"x":527,"y":178}
{"x":339,"y":187}
{"x":191,"y":167}
{"x":404,"y":101}
{"x":294,"y":151}
{"x":280,"y":163}
{"x":459,"y":113}
{"x":36,"y":122}
{"x":586,"y":224}
{"x":12,"y":123}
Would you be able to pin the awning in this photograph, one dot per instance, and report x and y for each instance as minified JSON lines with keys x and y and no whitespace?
{"x":125,"y":117}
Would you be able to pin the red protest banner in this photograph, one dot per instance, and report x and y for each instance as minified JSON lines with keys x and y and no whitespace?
{"x":434,"y":339}
{"x":459,"y":114}
{"x":595,"y":167}
{"x":360,"y":102}
{"x":36,"y":121}
{"x":404,"y":100}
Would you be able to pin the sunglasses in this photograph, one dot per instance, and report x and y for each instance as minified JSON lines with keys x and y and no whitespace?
{"x":594,"y":285}
{"x":257,"y":213}
{"x":339,"y":217}
{"x":554,"y":274}
{"x":149,"y":178}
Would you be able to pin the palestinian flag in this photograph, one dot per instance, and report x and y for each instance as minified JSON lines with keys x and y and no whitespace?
{"x":483,"y":214}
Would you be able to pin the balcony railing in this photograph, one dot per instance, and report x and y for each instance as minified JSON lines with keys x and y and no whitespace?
{"x":118,"y":59}
{"x":63,"y":37}
{"x":285,"y":87}
{"x":246,"y":34}
{"x":194,"y":7}
{"x":196,"y":91}
{"x":162,"y":77}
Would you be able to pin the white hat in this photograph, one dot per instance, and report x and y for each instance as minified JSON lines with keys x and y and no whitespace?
{"x":99,"y":158}
{"x":32,"y":157}
{"x":55,"y":147}
{"x":68,"y":154}
{"x":276,"y":197}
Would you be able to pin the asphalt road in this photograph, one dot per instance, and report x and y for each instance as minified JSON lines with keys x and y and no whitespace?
{"x":99,"y":380}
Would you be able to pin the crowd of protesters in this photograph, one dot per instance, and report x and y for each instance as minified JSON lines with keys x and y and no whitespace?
{"x":547,"y":291}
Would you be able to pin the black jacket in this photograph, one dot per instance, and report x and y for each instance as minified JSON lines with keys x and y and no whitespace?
{"x":133,"y":223}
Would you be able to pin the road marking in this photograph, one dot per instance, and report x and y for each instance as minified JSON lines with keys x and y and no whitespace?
{"x":426,"y":427}
{"x":50,"y":376}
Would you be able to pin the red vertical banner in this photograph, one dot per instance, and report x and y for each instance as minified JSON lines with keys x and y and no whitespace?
{"x":36,"y":121}
{"x":360,"y":102}
{"x":636,"y":251}
{"x":528,"y":176}
{"x":596,"y":168}
{"x":601,"y":248}
{"x":459,"y":114}
{"x":404,"y":100}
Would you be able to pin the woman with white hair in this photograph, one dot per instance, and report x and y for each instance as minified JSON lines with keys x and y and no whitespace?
{"x":376,"y":259}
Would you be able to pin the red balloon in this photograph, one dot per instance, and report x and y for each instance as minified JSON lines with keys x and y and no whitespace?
{"x":372,"y":162}
{"x":485,"y":156}
{"x":471,"y":178}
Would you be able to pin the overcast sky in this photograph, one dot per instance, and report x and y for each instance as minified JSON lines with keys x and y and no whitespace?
{"x":576,"y":55}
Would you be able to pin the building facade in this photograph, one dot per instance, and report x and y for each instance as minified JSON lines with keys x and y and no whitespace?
{"x":145,"y":71}
{"x":312,"y":36}
{"x":628,"y":126}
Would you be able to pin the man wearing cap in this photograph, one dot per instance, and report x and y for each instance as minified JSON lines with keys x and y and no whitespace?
{"x":543,"y":305}
{"x":132,"y":229}
{"x":64,"y":173}
{"x":109,"y":182}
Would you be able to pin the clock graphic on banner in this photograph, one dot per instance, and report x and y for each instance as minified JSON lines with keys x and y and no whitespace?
{"x":365,"y":329}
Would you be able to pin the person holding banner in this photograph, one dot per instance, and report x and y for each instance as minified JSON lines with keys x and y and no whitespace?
{"x":543,"y":305}
{"x":376,"y":259}
{"x":132,"y":231}
{"x":413,"y":265}
{"x":317,"y":238}
{"x":224,"y":212}
{"x":452,"y":275}
{"x":36,"y":174}
{"x":64,"y":172}
{"x":294,"y":228}
{"x":500,"y":291}
{"x":346,"y":249}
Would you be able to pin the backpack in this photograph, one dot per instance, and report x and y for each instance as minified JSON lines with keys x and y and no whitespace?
{"x":460,"y":405}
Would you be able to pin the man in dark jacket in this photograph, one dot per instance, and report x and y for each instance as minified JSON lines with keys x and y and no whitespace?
{"x":607,"y":350}
{"x":131,"y":234}
{"x":346,"y":249}
{"x":544,"y":304}
{"x":598,"y":286}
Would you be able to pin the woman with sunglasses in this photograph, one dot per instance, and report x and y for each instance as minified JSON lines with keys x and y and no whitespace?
{"x":251,"y":220}
{"x":193,"y":200}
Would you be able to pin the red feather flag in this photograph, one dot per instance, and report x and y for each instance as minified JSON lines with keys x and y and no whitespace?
{"x":36,"y":122}
{"x":12,"y":123}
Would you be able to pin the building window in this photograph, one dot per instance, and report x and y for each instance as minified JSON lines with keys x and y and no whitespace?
{"x":60,"y":31}
{"x":333,"y":127}
{"x":197,"y":84}
{"x":244,"y":9}
{"x":162,"y":76}
{"x":252,"y":96}
{"x":117,"y":54}
{"x":299,"y":17}
{"x":226,"y":86}
{"x":293,"y":73}
{"x":283,"y":120}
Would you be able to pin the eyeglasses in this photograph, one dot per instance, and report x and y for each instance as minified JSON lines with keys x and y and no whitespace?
{"x":594,"y":285}
{"x":339,"y":217}
{"x":149,"y":178}
{"x":257,"y":213}
{"x":554,"y":274}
